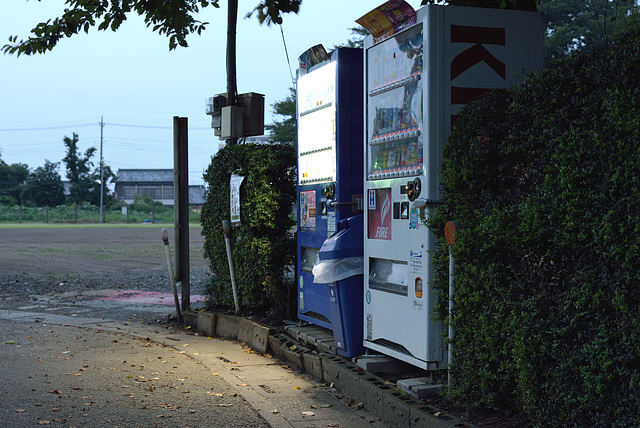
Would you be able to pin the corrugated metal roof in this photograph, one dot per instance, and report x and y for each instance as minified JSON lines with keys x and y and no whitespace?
{"x":144,"y":175}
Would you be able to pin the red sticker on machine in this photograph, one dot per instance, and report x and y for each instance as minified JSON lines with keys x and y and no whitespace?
{"x":380,"y":216}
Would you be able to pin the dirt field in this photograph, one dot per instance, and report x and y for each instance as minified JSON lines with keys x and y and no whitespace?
{"x":90,"y":256}
{"x":75,"y":250}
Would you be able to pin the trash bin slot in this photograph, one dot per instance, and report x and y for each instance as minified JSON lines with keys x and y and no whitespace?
{"x":309,"y":258}
{"x":337,"y":269}
{"x":391,"y":276}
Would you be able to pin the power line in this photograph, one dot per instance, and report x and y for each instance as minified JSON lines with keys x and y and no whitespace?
{"x":84,"y":125}
{"x":47,"y":128}
{"x":154,"y":127}
{"x":286,"y":52}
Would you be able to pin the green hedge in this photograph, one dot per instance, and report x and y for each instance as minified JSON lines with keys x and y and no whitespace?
{"x":545,"y":180}
{"x":264,"y":246}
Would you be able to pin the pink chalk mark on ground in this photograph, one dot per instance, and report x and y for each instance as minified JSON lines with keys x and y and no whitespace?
{"x":147,"y":297}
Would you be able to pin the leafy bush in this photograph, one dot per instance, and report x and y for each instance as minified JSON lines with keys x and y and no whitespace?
{"x":264,"y":245}
{"x":544,"y":180}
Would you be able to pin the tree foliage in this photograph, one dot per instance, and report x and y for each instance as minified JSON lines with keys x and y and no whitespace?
{"x":12,"y":177}
{"x":44,"y":186}
{"x":577,"y":24}
{"x":284,"y":130}
{"x":174,"y":18}
{"x":85,"y":180}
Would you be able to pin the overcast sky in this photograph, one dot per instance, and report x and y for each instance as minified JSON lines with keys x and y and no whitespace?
{"x":132,"y":80}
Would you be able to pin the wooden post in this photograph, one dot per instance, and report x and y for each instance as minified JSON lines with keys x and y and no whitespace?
{"x":181,"y":205}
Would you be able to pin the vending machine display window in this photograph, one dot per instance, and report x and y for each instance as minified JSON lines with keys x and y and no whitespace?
{"x":317,"y":126}
{"x":395,"y":70}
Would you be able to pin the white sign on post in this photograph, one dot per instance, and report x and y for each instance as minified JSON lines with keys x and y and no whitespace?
{"x":235,"y":183}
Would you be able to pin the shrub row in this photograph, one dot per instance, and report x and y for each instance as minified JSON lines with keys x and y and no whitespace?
{"x":264,"y":245}
{"x":544,"y":179}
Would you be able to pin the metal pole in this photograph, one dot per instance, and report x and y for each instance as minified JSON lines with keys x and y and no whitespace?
{"x":450,"y":234}
{"x":101,"y":170}
{"x":164,"y":234}
{"x":452,"y":272}
{"x":226,"y":228}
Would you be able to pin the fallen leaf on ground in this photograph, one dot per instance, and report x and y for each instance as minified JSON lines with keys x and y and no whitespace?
{"x":308,"y":414}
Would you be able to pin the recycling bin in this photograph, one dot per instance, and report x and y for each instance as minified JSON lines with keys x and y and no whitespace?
{"x":341,"y":269}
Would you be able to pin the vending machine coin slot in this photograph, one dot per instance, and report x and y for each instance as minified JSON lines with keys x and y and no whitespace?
{"x":404,"y":211}
{"x":330,"y":190}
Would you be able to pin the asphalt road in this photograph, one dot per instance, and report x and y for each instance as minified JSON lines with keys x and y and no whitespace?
{"x":63,"y":375}
{"x":85,"y":342}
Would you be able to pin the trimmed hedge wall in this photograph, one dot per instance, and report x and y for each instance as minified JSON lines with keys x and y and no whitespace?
{"x":264,"y":246}
{"x":545,"y":180}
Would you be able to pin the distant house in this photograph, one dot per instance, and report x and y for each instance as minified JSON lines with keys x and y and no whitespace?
{"x":155,"y":183}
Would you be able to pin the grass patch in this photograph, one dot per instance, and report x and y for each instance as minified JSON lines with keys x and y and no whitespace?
{"x":88,"y":225}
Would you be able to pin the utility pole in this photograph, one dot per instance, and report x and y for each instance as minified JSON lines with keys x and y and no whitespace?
{"x":232,"y":89}
{"x":101,"y":169}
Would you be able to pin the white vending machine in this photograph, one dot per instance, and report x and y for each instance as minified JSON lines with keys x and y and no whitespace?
{"x":416,"y":80}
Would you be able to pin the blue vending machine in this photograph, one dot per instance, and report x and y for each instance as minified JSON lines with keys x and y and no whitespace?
{"x":330,"y":158}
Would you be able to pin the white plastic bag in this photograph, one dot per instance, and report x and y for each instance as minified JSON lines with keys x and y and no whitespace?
{"x":337,"y":269}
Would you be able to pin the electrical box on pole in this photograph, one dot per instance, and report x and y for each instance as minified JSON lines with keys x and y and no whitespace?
{"x":243,"y":119}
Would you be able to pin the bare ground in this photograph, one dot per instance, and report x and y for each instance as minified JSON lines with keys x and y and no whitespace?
{"x":47,"y":259}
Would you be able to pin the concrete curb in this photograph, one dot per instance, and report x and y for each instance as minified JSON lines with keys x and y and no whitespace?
{"x":384,"y":399}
